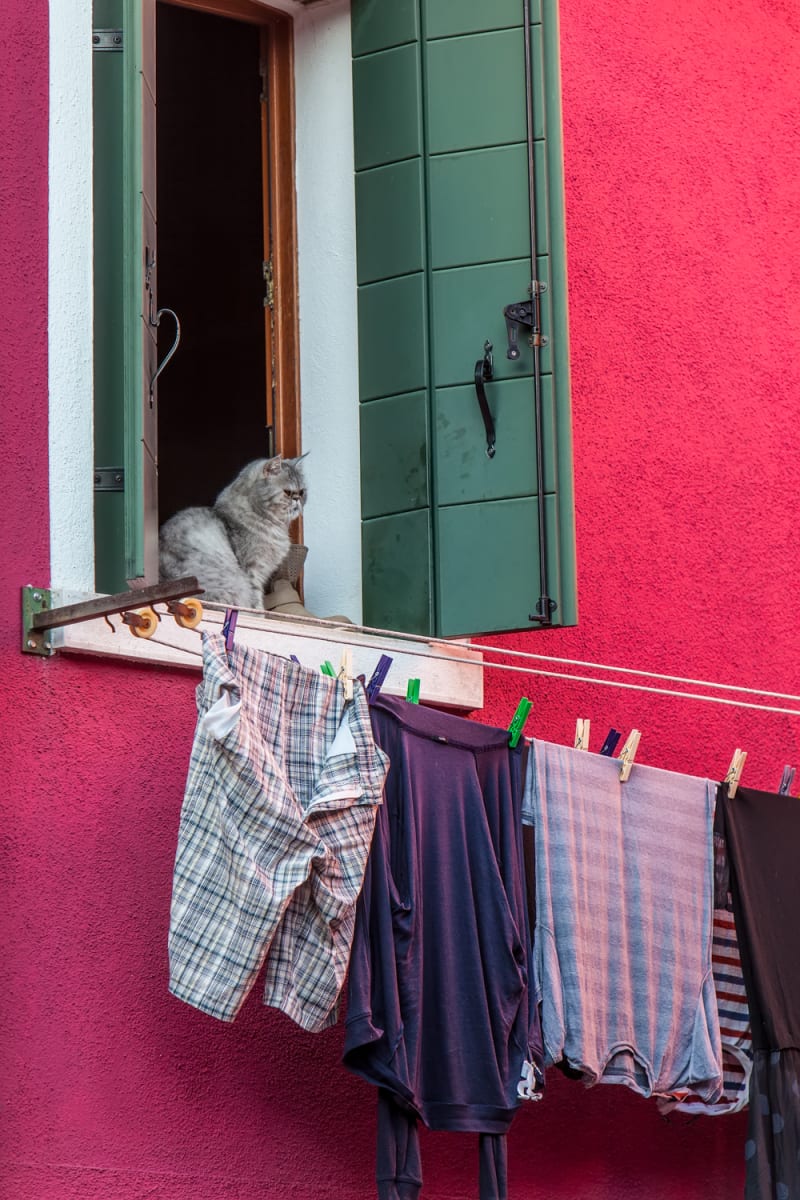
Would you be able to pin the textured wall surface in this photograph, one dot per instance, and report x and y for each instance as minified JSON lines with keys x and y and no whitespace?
{"x":684,"y":242}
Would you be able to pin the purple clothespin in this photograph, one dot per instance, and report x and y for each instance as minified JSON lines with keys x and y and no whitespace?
{"x":229,"y":627}
{"x":378,"y":675}
{"x":610,"y":744}
{"x":295,"y":659}
{"x":787,"y":779}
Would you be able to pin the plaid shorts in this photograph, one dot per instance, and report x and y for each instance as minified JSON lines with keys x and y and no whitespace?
{"x":275,"y":829}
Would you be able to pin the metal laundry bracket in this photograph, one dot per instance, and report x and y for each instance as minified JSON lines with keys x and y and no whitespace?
{"x":38,"y":618}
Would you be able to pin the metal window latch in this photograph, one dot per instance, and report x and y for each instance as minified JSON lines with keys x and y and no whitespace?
{"x":524,"y":315}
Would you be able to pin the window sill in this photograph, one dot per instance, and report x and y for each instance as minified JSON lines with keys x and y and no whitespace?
{"x":449,"y":676}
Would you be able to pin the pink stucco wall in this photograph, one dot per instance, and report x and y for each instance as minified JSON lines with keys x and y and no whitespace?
{"x":684,"y":241}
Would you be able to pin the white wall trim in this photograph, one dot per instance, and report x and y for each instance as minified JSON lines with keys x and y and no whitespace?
{"x":328,"y":308}
{"x":70,"y":299}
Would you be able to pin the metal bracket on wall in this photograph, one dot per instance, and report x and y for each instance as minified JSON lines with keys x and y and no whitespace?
{"x":106,"y":39}
{"x":38,"y":618}
{"x":35,"y":601}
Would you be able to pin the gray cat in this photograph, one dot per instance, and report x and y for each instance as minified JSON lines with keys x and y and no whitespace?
{"x":235,"y":547}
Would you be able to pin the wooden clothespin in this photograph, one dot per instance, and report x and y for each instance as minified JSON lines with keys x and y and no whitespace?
{"x":518,"y":720}
{"x":412,"y":691}
{"x":628,"y":753}
{"x":787,"y":779}
{"x":610,"y":744}
{"x":346,"y":672}
{"x":735,"y":771}
{"x":582,"y":734}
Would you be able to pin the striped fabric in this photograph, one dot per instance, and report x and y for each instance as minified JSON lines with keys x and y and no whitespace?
{"x":734,"y":1028}
{"x":274,"y":834}
{"x":624,"y":903}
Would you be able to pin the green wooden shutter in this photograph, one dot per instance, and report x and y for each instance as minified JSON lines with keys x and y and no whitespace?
{"x":450,"y":537}
{"x":124,"y":343}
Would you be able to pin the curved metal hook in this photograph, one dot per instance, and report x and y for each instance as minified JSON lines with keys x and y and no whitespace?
{"x":171,"y":312}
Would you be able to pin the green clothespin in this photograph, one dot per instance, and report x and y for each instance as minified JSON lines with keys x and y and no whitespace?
{"x":518,"y":720}
{"x":327,"y":669}
{"x":412,"y":692}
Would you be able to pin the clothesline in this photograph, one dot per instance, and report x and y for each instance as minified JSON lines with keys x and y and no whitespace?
{"x":319,"y":626}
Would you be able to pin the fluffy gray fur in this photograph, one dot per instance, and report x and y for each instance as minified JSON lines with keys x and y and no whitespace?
{"x":235,"y":547}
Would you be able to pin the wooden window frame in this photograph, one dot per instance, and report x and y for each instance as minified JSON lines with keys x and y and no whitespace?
{"x":280,"y":219}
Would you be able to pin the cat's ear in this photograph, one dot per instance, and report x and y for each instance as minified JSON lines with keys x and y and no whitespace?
{"x":294,"y":461}
{"x":272,"y":466}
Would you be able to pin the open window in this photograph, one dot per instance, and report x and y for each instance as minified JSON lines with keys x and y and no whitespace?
{"x":194,"y":228}
{"x":195,"y":212}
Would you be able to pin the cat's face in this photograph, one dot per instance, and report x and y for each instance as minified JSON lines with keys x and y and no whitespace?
{"x":284,"y":486}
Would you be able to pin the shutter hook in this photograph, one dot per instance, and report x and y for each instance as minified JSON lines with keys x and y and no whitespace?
{"x":170,"y":312}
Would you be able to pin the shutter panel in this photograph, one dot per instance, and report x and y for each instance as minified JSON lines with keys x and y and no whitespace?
{"x":450,"y":537}
{"x":126,"y":537}
{"x":109,"y":435}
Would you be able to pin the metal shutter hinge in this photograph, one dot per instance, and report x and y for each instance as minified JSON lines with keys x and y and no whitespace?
{"x":109,"y":479}
{"x":106,"y":39}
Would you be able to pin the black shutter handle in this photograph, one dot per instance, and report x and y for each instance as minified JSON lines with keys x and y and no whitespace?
{"x":484,"y":372}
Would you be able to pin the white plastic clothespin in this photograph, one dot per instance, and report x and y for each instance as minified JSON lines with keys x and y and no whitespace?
{"x":628,"y":753}
{"x":735,"y":771}
{"x":582,"y":733}
{"x":346,"y":672}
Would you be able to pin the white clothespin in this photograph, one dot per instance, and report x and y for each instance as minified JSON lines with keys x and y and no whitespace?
{"x":346,"y":672}
{"x":582,"y":734}
{"x":530,"y":1085}
{"x":735,"y":771}
{"x":628,"y":753}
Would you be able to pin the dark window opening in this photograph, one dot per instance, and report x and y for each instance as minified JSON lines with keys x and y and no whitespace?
{"x":212,"y":397}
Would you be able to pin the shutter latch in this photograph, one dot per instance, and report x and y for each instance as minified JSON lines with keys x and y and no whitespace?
{"x":524,"y":315}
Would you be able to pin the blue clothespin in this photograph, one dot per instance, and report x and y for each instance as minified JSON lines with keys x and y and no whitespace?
{"x":787,"y":779}
{"x":295,"y":659}
{"x":518,"y":720}
{"x":412,"y":691}
{"x":378,"y":676}
{"x":610,"y":744}
{"x":229,"y":627}
{"x":327,"y":669}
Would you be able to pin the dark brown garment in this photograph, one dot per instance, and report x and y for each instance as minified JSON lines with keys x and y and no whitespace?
{"x":762,"y":831}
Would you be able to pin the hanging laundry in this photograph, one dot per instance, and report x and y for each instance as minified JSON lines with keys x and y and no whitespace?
{"x":734,"y":1028}
{"x":624,"y":896}
{"x":763,"y":832}
{"x":440,"y":1015}
{"x":283,"y":785}
{"x":734,"y":1015}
